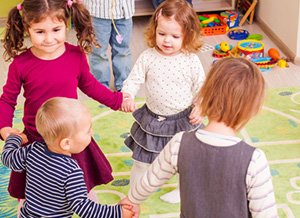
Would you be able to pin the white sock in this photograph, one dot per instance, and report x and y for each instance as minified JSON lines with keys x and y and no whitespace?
{"x":173,"y":197}
{"x":92,"y":195}
{"x":137,"y":171}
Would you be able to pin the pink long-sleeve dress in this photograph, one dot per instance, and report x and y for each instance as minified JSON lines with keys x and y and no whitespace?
{"x":42,"y":80}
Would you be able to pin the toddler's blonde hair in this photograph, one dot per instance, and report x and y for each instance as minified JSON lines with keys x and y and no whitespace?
{"x":59,"y":118}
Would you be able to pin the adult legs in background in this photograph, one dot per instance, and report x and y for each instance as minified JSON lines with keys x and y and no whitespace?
{"x":120,"y":53}
{"x":172,"y":197}
{"x":99,"y":62}
{"x":137,"y":171}
{"x":156,"y":3}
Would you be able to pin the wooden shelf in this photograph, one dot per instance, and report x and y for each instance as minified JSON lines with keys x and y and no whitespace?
{"x":145,"y":7}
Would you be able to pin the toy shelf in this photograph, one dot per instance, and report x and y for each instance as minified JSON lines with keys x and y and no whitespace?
{"x":145,"y":7}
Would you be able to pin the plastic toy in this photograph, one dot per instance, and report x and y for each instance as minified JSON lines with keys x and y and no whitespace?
{"x":265,"y":64}
{"x":235,"y":51}
{"x":231,"y":18}
{"x":255,"y":36}
{"x":251,"y":48}
{"x":208,"y":20}
{"x":282,"y":63}
{"x":220,"y":54}
{"x":238,"y":34}
{"x":222,"y":50}
{"x":273,"y":53}
{"x":215,"y":27}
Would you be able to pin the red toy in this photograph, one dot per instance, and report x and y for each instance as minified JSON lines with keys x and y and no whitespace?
{"x":274,"y":54}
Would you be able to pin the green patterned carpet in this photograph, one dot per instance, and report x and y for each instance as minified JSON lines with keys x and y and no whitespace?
{"x":276,"y":131}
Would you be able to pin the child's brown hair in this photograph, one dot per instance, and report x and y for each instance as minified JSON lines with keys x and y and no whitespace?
{"x":186,"y":17}
{"x":33,"y":11}
{"x":233,"y":92}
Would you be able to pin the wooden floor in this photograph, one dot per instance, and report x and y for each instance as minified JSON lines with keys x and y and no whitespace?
{"x":277,"y":77}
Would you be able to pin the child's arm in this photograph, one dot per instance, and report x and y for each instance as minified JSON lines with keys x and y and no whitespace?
{"x":14,"y":156}
{"x":260,"y":188}
{"x":195,"y":116}
{"x":8,"y":99}
{"x":76,"y":194}
{"x":6,"y":131}
{"x":137,"y":76}
{"x":88,"y":84}
{"x":159,"y":172}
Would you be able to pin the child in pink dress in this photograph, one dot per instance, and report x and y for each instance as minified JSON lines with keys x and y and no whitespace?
{"x":51,"y":68}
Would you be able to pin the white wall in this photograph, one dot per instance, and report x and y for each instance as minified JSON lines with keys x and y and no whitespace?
{"x":283,"y":18}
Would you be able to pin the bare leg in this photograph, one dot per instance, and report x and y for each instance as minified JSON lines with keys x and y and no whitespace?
{"x":92,"y":195}
{"x":21,"y":202}
{"x":172,"y":197}
{"x":137,"y":171}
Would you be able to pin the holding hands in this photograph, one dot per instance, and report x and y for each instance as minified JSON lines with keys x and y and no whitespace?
{"x":128,"y":104}
{"x":7,"y":131}
{"x":134,"y":210}
{"x":195,"y":117}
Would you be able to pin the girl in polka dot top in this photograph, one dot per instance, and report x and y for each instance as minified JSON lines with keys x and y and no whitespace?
{"x":172,"y":73}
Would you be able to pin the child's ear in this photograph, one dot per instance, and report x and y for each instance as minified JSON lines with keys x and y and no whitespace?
{"x":65,"y":144}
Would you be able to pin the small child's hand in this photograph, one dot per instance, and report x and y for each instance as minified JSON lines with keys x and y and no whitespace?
{"x":128,"y":104}
{"x":195,"y":117}
{"x":7,"y":131}
{"x":24,"y":138}
{"x":135,"y":207}
{"x":126,"y":211}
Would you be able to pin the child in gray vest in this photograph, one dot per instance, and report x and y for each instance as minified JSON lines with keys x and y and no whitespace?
{"x":220,"y":175}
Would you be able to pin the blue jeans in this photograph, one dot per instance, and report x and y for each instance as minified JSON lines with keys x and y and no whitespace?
{"x":120,"y":53}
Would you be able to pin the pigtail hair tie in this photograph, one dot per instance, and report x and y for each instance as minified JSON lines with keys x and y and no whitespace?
{"x":19,"y":7}
{"x":158,"y":14}
{"x":70,"y":3}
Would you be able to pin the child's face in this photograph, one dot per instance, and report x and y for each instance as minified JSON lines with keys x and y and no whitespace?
{"x":169,"y":36}
{"x":83,"y":137}
{"x":48,"y":37}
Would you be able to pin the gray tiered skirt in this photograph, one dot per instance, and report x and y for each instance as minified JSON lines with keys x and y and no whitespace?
{"x":150,"y":132}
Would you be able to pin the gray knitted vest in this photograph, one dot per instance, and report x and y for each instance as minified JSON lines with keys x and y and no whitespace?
{"x":212,"y":179}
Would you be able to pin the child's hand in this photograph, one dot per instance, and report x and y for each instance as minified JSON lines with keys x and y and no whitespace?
{"x":128,"y":104}
{"x":7,"y":131}
{"x":24,"y":138}
{"x":195,"y":117}
{"x":126,"y":211}
{"x":135,"y":207}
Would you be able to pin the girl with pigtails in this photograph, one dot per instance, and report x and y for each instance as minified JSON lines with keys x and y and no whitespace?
{"x":51,"y":67}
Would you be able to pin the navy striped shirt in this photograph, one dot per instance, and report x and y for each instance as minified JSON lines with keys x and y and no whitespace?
{"x":55,"y":185}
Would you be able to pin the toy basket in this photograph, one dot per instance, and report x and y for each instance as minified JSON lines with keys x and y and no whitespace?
{"x":217,"y":30}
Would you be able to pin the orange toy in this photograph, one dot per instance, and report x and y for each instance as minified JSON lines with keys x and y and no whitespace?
{"x":273,"y":53}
